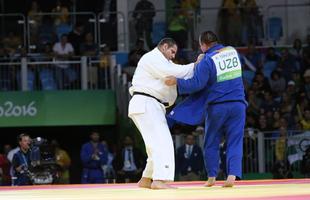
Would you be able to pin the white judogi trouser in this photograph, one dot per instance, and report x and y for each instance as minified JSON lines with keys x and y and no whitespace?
{"x":149,"y":117}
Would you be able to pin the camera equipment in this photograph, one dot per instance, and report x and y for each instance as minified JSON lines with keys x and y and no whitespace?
{"x":43,"y":169}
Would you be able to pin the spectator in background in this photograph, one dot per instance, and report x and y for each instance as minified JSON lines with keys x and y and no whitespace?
{"x":134,"y":57}
{"x":93,"y":156}
{"x":230,"y":23}
{"x":286,"y":106}
{"x":136,"y":53}
{"x":191,"y":10}
{"x":254,"y":103}
{"x":304,"y":117}
{"x":276,"y":120}
{"x":254,"y":56}
{"x":281,"y":146}
{"x":61,"y":19}
{"x":63,"y":51}
{"x":296,"y":77}
{"x":5,"y":177}
{"x":263,"y":84}
{"x":129,"y":162}
{"x":62,"y":13}
{"x":292,"y":90}
{"x":143,"y":15}
{"x":35,"y":19}
{"x":46,"y":32}
{"x":189,"y":160}
{"x":251,"y":121}
{"x":64,"y":161}
{"x":108,"y":170}
{"x":46,"y":72}
{"x":262,"y":123}
{"x":271,"y":55}
{"x":88,"y":47}
{"x":306,"y":55}
{"x":268,"y":104}
{"x":104,"y":68}
{"x":178,"y":28}
{"x":297,"y":52}
{"x":287,"y":64}
{"x":277,"y":83}
{"x":281,"y":168}
{"x":21,"y":161}
{"x":12,"y":42}
{"x":306,"y":86}
{"x":252,"y":21}
{"x":76,"y":37}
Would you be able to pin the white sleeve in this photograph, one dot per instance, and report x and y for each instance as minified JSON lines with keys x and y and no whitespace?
{"x":163,"y":69}
{"x":11,"y":155}
{"x":70,"y":48}
{"x":55,"y":48}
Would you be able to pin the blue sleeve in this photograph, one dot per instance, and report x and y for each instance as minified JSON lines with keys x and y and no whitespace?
{"x":86,"y":155}
{"x":104,"y":155}
{"x":198,"y":81}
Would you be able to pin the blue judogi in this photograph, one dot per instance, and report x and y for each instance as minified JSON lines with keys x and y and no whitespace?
{"x":217,"y":95}
{"x":92,"y":169}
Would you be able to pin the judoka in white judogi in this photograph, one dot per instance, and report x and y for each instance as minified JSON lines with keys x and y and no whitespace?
{"x":148,"y":113}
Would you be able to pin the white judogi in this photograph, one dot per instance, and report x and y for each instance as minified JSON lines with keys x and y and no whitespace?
{"x":149,"y":115}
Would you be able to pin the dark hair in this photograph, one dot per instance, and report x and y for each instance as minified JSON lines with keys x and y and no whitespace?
{"x":208,"y":37}
{"x":171,"y":42}
{"x":64,"y":35}
{"x":20,"y":136}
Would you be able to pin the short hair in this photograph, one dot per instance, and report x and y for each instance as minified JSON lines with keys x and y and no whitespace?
{"x":171,"y":42}
{"x":64,"y":35}
{"x":208,"y":37}
{"x":20,"y":136}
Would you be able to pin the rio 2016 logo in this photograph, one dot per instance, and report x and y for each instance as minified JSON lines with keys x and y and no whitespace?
{"x":8,"y":109}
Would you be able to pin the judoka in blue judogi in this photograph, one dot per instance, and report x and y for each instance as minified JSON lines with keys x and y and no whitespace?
{"x":94,"y":156}
{"x":217,"y":96}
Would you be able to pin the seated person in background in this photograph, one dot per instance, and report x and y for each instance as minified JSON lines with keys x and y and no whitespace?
{"x":21,"y":161}
{"x":93,"y":155}
{"x":136,"y":53}
{"x":134,"y":57}
{"x":129,"y":162}
{"x":189,"y":160}
{"x":88,"y":47}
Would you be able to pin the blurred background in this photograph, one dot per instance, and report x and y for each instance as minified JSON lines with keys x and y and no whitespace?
{"x":66,"y":66}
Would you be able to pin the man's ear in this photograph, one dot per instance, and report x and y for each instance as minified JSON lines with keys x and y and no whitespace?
{"x":165,"y":47}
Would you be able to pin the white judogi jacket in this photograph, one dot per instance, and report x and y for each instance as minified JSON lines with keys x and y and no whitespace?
{"x":151,"y":72}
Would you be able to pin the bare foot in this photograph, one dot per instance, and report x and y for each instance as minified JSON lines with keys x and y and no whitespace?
{"x":158,"y":184}
{"x":145,"y":183}
{"x":210,"y":182}
{"x":230,"y":181}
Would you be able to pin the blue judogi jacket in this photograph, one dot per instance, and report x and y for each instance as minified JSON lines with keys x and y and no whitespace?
{"x":204,"y":89}
{"x":92,"y":169}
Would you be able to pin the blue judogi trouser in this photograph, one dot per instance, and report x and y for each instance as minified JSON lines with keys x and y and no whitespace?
{"x":224,"y":119}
